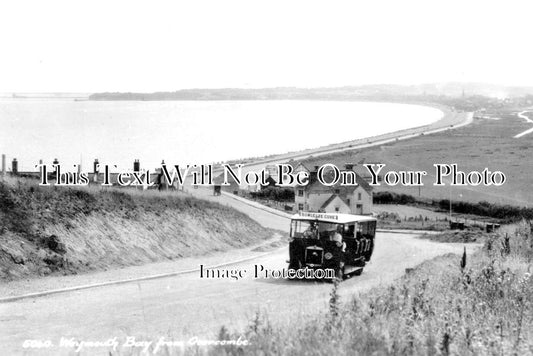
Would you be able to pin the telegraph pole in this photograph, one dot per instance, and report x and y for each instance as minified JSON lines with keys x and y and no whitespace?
{"x":450,"y":202}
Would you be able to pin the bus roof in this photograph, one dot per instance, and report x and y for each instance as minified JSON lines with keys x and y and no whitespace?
{"x":331,"y":217}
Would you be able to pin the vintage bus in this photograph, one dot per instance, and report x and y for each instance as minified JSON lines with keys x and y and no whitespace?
{"x":342,"y":242}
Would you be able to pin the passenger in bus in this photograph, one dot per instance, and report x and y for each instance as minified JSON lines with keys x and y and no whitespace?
{"x":311,"y":232}
{"x":337,"y":237}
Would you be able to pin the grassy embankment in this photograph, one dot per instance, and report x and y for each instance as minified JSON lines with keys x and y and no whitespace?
{"x":472,"y":305}
{"x":46,"y":230}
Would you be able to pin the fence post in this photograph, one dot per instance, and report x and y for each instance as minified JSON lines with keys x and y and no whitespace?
{"x":95,"y":170}
{"x":15,"y":166}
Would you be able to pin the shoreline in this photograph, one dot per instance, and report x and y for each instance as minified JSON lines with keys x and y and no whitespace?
{"x":450,"y":120}
{"x":447,"y":119}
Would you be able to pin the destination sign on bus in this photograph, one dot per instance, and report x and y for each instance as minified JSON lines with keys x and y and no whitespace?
{"x":318,"y":215}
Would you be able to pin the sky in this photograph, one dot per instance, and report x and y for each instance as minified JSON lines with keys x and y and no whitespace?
{"x":145,"y":46}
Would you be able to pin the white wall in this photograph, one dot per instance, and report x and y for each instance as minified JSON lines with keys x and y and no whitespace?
{"x":338,"y":203}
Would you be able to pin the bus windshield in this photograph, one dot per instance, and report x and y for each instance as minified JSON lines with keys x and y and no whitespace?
{"x":313,"y":229}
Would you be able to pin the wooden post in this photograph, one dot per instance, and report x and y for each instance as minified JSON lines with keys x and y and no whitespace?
{"x":3,"y":164}
{"x":95,"y":170}
{"x":14,"y":167}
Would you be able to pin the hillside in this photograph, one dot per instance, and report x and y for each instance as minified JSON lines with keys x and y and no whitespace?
{"x":51,"y":230}
{"x":458,"y":96}
{"x":432,"y":90}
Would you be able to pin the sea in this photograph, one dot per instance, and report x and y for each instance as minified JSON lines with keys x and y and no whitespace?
{"x":187,"y":132}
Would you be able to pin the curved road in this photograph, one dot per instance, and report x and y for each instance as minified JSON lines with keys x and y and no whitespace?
{"x":528,"y":120}
{"x":183,"y":306}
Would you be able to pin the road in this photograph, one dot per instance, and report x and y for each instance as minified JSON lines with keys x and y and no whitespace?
{"x":528,"y":120}
{"x":183,"y":306}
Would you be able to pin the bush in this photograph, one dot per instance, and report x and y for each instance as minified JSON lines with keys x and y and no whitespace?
{"x":506,"y":213}
{"x":393,"y":198}
{"x":277,"y":194}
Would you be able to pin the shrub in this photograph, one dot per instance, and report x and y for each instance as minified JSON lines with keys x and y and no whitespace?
{"x":393,"y":198}
{"x":273,"y":193}
{"x":506,"y":213}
